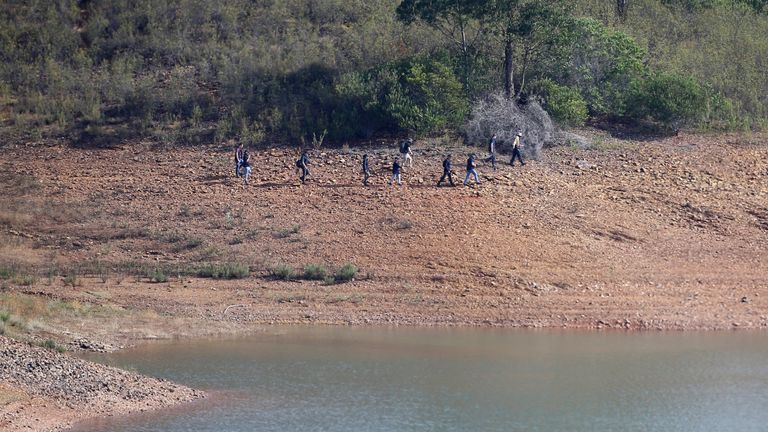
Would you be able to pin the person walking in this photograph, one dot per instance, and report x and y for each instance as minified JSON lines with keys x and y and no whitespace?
{"x":303,"y":164}
{"x":447,"y":172}
{"x":516,"y":146}
{"x":238,"y":159}
{"x":366,"y":170}
{"x":396,"y":172}
{"x":405,"y":150}
{"x":492,"y":151}
{"x":245,"y":163}
{"x":471,"y":170}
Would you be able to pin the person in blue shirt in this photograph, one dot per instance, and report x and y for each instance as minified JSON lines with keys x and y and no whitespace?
{"x":396,"y":172}
{"x":471,"y":170}
{"x":447,"y":172}
{"x":366,"y":170}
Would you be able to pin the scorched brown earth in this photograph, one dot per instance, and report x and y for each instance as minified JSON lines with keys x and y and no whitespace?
{"x":669,"y":234}
{"x":105,"y":247}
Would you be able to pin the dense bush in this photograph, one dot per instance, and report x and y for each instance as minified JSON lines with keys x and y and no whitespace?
{"x":564,"y":104}
{"x":670,"y":99}
{"x":192,"y":71}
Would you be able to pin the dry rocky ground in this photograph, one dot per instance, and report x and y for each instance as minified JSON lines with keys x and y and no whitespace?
{"x":664,"y":234}
{"x":41,"y":389}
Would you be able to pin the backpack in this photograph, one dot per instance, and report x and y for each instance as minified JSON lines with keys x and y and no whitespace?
{"x":404,"y":147}
{"x":298,"y":163}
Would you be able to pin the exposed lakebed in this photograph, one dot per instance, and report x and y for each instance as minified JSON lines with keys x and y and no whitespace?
{"x":395,"y":379}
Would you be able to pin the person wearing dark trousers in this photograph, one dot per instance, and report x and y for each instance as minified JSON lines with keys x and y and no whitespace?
{"x":492,"y":151}
{"x":366,"y":170}
{"x":396,"y":172}
{"x":238,"y":159}
{"x":516,"y":146}
{"x":447,"y":173}
{"x":303,"y":165}
{"x":471,"y":170}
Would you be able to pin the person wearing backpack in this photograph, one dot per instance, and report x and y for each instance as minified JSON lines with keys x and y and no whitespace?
{"x":245,"y":163}
{"x":238,"y":159}
{"x":366,"y":170}
{"x":303,"y":164}
{"x":471,"y":170}
{"x":405,"y":150}
{"x":492,"y":151}
{"x":447,"y":172}
{"x":516,"y":145}
{"x":396,"y":172}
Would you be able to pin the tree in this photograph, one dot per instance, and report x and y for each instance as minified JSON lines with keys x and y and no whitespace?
{"x":533,"y":24}
{"x":457,"y":20}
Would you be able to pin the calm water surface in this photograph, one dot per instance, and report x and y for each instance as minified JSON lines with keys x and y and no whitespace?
{"x":346,"y":379}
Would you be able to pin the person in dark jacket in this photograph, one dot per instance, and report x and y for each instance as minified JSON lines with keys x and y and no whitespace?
{"x":303,"y":165}
{"x":366,"y":170}
{"x":238,"y":159}
{"x":471,"y":170}
{"x":405,"y":150}
{"x":447,"y":172}
{"x":396,"y":172}
{"x":516,"y":146}
{"x":492,"y":150}
{"x":245,"y":163}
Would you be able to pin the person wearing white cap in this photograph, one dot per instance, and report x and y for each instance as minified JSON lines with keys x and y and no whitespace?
{"x":516,"y":145}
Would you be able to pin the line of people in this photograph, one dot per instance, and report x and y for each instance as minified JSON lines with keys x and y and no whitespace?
{"x":243,"y":166}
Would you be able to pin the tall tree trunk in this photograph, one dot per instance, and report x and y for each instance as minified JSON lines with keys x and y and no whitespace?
{"x":522,"y":73}
{"x":621,"y":9}
{"x":509,"y":69}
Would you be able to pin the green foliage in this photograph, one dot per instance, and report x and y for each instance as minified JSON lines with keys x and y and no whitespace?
{"x":346,"y":273}
{"x":192,"y":71}
{"x":7,"y":271}
{"x":224,"y":271}
{"x":70,"y":278}
{"x":564,"y":104}
{"x":315,"y":272}
{"x":601,"y":63}
{"x":157,"y":275}
{"x":670,"y":99}
{"x":282,"y":271}
{"x":52,"y":345}
{"x":427,"y":98}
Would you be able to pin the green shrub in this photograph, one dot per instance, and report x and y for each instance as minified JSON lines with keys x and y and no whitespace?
{"x":224,"y":271}
{"x":315,"y":272}
{"x":5,"y":316}
{"x":282,"y":271}
{"x":346,"y":273}
{"x":670,"y":99}
{"x":157,"y":275}
{"x":52,"y":345}
{"x":564,"y":104}
{"x":7,"y":271}
{"x":70,"y":278}
{"x":25,"y":280}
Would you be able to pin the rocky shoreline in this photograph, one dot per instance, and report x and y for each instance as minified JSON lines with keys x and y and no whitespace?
{"x":44,"y":390}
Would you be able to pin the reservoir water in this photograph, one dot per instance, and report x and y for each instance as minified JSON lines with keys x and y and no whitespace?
{"x":373,"y":379}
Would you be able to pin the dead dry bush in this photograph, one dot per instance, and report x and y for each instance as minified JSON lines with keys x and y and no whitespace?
{"x":504,"y":117}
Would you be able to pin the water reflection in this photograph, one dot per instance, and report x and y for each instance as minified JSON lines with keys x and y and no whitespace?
{"x":346,"y":379}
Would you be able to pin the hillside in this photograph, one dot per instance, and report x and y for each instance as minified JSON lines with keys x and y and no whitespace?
{"x":667,"y":234}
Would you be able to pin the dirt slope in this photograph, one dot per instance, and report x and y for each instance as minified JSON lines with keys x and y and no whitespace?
{"x":667,"y":234}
